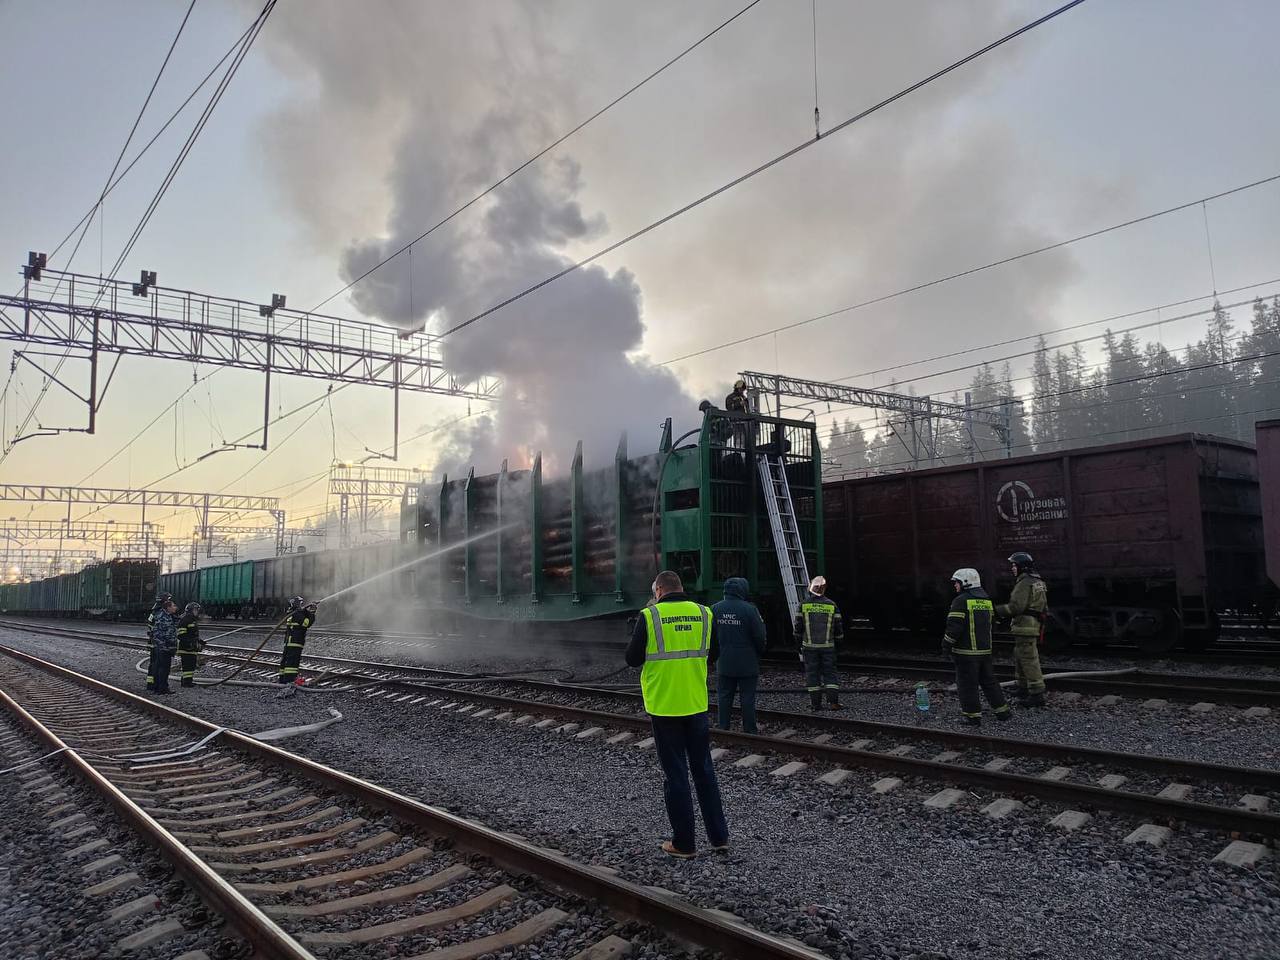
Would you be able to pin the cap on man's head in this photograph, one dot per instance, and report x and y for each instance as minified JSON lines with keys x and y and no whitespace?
{"x":818,"y":585}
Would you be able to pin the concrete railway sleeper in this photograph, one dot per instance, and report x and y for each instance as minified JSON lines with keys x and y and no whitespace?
{"x":261,"y":833}
{"x":1246,"y":816}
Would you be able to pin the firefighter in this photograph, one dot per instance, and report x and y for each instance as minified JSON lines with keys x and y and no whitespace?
{"x":736,"y":402}
{"x":968,"y":640}
{"x":189,"y":644}
{"x":818,"y":629}
{"x":1028,"y":607}
{"x":164,"y":632}
{"x":301,"y":616}
{"x":156,"y":609}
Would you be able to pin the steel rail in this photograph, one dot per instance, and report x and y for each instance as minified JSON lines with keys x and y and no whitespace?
{"x":667,"y":912}
{"x":267,"y":938}
{"x":1148,"y":763}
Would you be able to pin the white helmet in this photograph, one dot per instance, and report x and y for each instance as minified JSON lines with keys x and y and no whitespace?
{"x":967,"y":577}
{"x":818,"y":585}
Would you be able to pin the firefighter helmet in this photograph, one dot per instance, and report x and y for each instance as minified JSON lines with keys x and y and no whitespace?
{"x":1022,"y":560}
{"x":967,"y":577}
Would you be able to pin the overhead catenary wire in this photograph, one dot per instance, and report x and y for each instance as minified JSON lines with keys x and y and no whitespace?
{"x":767,"y":165}
{"x":541,"y":153}
{"x":244,"y":44}
{"x":87,"y":220}
{"x":991,"y":265}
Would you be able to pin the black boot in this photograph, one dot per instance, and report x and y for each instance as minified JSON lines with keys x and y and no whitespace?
{"x":969,"y":721}
{"x":1005,"y":714}
{"x":815,"y":701}
{"x":1034,"y":700}
{"x":1020,"y":694}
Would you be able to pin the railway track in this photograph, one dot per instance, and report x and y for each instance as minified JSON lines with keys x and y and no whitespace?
{"x":279,"y":844}
{"x":1140,"y":684}
{"x":1233,"y":799}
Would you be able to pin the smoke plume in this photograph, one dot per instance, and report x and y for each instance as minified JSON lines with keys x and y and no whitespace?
{"x":403,"y":111}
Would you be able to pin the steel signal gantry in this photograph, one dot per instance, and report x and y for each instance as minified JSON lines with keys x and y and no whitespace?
{"x":920,"y":413}
{"x":205,"y":503}
{"x":90,"y":316}
{"x":367,"y":484}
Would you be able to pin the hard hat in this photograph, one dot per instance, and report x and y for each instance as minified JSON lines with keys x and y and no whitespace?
{"x":739,"y":384}
{"x":1022,"y":559}
{"x":166,"y":597}
{"x":295,"y":602}
{"x":967,"y":577}
{"x":817,"y":584}
{"x":193,"y":607}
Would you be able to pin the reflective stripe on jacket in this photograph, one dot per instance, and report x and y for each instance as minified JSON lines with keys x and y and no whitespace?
{"x":818,"y":624}
{"x":189,"y":633}
{"x":1027,"y":605}
{"x":295,"y":628}
{"x":969,"y":623}
{"x":673,"y":679}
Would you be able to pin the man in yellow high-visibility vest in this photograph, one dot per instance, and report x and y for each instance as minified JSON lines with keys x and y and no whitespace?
{"x":670,"y":643}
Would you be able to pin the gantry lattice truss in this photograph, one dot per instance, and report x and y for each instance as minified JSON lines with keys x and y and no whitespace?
{"x":206,"y":504}
{"x":919,"y":413}
{"x":367,"y":485}
{"x":90,"y":316}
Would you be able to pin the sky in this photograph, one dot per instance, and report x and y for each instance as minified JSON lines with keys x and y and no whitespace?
{"x":352,"y":128}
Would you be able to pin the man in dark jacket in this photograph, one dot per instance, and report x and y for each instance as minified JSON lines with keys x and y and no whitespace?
{"x":163,"y":627}
{"x":670,"y":643}
{"x":818,"y":628}
{"x":968,"y":640}
{"x":737,"y":643}
{"x":156,"y":609}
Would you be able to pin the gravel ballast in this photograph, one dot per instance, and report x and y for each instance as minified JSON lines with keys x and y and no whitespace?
{"x":849,"y":872}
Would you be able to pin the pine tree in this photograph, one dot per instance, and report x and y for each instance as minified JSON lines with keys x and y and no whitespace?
{"x":1044,"y":424}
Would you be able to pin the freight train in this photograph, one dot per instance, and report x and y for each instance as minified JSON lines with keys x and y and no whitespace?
{"x":1148,"y":543}
{"x":115,"y":590}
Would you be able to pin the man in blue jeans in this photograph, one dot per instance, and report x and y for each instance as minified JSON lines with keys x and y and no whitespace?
{"x":737,"y":643}
{"x":670,"y":643}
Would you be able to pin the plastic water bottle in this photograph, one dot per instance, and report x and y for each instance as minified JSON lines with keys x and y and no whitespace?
{"x":922,"y":698}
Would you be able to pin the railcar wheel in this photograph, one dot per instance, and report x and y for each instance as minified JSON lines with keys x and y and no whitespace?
{"x":1197,"y":641}
{"x":1168,"y":633}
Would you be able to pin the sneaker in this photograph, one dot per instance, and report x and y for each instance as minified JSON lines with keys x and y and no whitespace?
{"x":671,"y":850}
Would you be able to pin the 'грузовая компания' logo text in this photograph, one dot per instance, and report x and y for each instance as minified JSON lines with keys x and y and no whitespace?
{"x":1017,"y":503}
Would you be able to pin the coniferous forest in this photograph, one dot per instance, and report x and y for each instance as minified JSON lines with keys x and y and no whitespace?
{"x":1221,"y":384}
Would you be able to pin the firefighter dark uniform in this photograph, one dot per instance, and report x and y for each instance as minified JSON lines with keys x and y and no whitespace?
{"x":189,"y":643}
{"x":1028,"y":605}
{"x":736,"y":402}
{"x":818,"y":629}
{"x":968,"y":640}
{"x":301,"y":617}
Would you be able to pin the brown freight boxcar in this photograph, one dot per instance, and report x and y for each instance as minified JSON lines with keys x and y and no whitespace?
{"x":1143,"y":542}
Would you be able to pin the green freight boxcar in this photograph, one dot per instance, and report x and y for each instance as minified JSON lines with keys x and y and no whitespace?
{"x":117,"y":589}
{"x":227,"y":589}
{"x":517,"y":546}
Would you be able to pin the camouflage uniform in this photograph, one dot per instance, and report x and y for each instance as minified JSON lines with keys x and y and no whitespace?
{"x":1027,"y":605}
